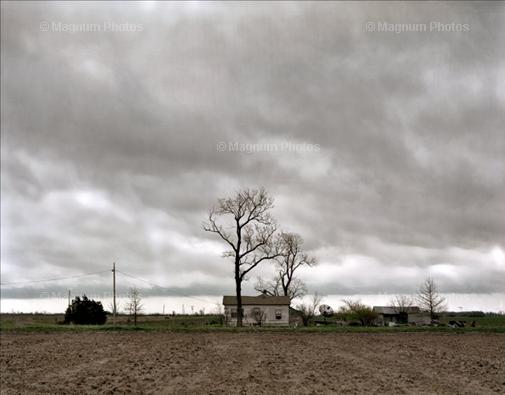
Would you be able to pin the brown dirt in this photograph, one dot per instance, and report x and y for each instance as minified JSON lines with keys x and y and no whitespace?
{"x":268,"y":363}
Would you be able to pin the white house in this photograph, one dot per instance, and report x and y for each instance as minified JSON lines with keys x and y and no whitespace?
{"x":258,"y":310}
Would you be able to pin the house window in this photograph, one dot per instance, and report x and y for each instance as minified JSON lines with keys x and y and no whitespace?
{"x":278,"y":314}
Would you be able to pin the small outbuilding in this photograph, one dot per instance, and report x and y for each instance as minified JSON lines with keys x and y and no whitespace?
{"x":389,"y":315}
{"x":258,"y":310}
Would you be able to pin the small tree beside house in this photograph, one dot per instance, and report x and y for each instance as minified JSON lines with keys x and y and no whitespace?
{"x":308,"y":310}
{"x":258,"y":315}
{"x":401,"y":305}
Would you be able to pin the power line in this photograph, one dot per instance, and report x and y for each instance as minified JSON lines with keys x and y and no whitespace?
{"x":101,"y":272}
{"x":159,"y":286}
{"x":56,"y":279}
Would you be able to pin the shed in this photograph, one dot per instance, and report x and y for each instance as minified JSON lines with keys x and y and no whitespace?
{"x":390,"y":315}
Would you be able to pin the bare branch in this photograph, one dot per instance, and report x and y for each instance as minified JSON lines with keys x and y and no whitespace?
{"x":401,"y":303}
{"x":213,"y":227}
{"x":291,"y":258}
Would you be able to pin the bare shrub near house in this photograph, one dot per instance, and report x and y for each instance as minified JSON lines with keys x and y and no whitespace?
{"x":429,"y":298}
{"x":291,"y":259}
{"x":259,"y":316}
{"x":308,"y":310}
{"x":252,"y":240}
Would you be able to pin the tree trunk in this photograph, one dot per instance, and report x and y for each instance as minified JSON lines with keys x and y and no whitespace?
{"x":285,"y":287}
{"x":238,"y":278}
{"x":238,"y":284}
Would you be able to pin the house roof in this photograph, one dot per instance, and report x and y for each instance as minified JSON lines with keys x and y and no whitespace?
{"x":257,"y":300}
{"x":394,"y":310}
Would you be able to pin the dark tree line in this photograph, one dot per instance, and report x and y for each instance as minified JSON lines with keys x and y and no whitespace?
{"x":85,"y":311}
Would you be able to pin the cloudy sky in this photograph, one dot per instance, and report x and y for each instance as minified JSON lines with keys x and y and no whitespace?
{"x":378,"y":129}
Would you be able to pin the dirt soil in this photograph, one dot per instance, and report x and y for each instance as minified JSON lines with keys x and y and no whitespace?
{"x":259,"y":363}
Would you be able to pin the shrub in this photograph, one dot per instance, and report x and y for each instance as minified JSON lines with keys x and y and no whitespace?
{"x":307,"y":311}
{"x":216,"y":321}
{"x":85,"y":312}
{"x":357,"y":311}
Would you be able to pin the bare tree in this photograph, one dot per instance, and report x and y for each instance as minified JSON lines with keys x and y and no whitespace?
{"x":252,"y":240}
{"x":134,"y":305}
{"x":308,"y":310}
{"x":429,"y":299}
{"x":291,"y":259}
{"x":401,"y":303}
{"x":259,"y":316}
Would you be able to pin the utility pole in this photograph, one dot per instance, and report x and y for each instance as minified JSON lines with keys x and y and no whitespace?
{"x":114,"y":292}
{"x":69,"y":297}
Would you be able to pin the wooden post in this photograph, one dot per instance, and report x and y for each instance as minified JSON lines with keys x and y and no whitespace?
{"x":114,"y":292}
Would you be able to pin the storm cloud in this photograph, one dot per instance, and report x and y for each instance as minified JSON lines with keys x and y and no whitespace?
{"x":386,"y":149}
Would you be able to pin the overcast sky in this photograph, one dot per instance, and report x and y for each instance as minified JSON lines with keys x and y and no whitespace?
{"x":384,"y":150}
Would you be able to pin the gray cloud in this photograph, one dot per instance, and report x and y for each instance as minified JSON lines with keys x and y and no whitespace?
{"x":109,"y":141}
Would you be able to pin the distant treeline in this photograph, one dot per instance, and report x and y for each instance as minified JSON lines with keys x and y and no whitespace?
{"x":470,"y":314}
